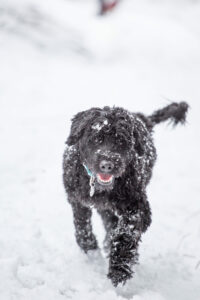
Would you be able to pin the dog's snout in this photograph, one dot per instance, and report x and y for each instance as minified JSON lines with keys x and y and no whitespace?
{"x":106,"y":166}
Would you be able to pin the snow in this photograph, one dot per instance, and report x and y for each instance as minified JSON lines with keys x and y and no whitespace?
{"x":58,"y":58}
{"x":99,"y":126}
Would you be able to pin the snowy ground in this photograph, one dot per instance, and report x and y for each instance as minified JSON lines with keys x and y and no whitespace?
{"x":57,"y":58}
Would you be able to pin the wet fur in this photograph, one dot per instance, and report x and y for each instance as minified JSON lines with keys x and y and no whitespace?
{"x":124,"y":208}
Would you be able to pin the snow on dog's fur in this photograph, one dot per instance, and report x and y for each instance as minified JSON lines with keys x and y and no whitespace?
{"x":107,"y":165}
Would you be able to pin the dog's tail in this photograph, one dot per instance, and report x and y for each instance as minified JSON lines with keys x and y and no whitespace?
{"x":176,"y":112}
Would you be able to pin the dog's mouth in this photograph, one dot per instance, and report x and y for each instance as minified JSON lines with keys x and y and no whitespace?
{"x":104,"y":179}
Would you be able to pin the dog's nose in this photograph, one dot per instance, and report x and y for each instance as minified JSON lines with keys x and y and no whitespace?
{"x":106,"y":166}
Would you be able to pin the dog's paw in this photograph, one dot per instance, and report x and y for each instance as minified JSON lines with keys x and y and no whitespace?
{"x":87,"y":243}
{"x":119,"y":274}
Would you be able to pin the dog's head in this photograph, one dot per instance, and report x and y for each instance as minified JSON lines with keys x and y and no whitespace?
{"x":107,"y":140}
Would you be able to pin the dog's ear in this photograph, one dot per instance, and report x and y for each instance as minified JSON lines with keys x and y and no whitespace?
{"x":79,"y":123}
{"x":139,"y":134}
{"x":77,"y":128}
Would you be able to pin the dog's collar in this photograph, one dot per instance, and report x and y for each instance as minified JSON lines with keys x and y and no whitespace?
{"x":88,"y":170}
{"x":92,"y":180}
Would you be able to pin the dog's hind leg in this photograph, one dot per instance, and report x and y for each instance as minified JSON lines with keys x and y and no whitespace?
{"x":110,"y":222}
{"x":83,"y":227}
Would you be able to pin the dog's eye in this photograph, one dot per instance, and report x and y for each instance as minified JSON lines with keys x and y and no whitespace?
{"x":120,"y":140}
{"x":98,"y":140}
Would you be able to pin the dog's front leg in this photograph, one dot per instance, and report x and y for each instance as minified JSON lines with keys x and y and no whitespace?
{"x":124,"y":244}
{"x":83,"y":227}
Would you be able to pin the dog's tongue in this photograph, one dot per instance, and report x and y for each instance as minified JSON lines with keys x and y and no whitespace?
{"x":105,"y":176}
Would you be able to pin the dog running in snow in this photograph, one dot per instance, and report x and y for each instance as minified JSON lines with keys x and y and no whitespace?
{"x":107,"y":165}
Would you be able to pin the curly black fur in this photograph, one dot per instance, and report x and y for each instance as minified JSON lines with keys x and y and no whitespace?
{"x":116,"y":143}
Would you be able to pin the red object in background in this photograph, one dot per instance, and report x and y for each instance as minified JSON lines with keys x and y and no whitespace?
{"x":107,"y":6}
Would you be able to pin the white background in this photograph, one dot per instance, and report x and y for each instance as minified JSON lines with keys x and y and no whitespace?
{"x":57,"y":58}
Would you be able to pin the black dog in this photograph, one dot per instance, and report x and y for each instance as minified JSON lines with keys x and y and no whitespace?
{"x":107,"y":165}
